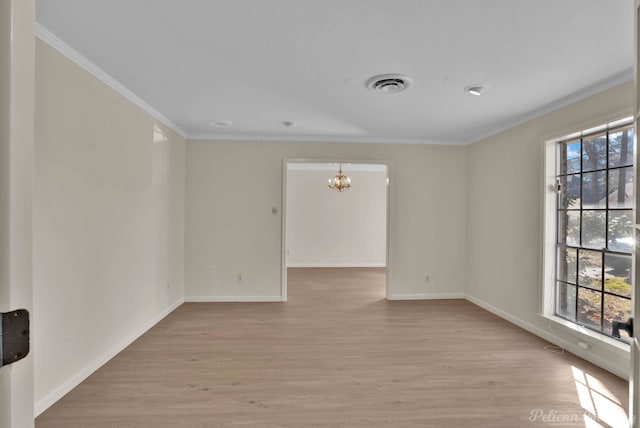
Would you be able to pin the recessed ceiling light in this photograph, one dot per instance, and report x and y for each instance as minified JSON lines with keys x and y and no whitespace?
{"x":220,"y":123}
{"x":288,"y":124}
{"x":476,"y":90}
{"x":389,"y":83}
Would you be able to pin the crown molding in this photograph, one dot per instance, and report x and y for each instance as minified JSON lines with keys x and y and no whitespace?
{"x":56,"y":43}
{"x":603,"y":85}
{"x":320,"y":139}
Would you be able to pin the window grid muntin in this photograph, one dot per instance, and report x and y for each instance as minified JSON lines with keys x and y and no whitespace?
{"x":575,"y":321}
{"x":564,"y":162}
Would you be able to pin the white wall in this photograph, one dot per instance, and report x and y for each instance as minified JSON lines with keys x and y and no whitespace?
{"x":504,"y":250}
{"x":108,"y":224}
{"x":328,"y":228}
{"x":233,"y":185}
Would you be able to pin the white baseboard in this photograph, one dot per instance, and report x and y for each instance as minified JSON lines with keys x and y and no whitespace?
{"x":548,"y":336}
{"x":66,"y":387}
{"x":216,"y":299}
{"x":335,"y":265}
{"x":432,"y":296}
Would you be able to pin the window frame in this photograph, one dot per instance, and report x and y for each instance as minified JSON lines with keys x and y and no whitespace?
{"x":549,"y":217}
{"x":599,"y":169}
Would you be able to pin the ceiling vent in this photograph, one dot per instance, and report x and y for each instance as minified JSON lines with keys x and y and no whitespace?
{"x":389,"y":83}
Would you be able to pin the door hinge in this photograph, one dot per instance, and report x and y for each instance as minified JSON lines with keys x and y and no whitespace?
{"x":14,"y":336}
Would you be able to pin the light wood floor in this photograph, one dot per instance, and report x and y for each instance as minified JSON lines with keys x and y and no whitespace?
{"x":339,"y":355}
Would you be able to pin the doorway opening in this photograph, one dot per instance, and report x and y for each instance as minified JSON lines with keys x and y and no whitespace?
{"x":341,"y":236}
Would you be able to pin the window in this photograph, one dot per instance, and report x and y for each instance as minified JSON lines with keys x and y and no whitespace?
{"x":595,"y":227}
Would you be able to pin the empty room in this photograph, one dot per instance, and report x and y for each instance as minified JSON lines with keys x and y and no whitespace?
{"x":358,"y":213}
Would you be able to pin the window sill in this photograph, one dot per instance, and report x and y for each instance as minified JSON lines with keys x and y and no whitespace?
{"x":585,"y":334}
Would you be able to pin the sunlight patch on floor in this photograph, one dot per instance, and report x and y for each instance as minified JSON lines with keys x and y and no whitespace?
{"x":602,"y":408}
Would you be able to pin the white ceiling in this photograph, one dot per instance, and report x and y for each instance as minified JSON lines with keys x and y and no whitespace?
{"x":259,"y":63}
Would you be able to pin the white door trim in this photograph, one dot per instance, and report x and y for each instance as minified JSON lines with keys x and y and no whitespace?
{"x":634,"y":375}
{"x":17,"y":87}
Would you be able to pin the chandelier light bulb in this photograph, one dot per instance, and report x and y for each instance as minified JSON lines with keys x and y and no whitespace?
{"x":340,"y":183}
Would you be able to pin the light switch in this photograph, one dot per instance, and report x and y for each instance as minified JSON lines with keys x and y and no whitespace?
{"x":274,"y":210}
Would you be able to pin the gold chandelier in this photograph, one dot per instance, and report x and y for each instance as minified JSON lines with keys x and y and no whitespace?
{"x":340,"y":183}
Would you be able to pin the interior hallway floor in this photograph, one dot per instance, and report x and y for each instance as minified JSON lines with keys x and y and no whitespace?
{"x":338,"y":354}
